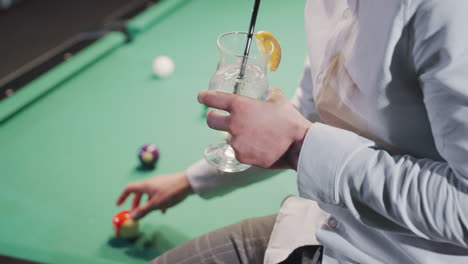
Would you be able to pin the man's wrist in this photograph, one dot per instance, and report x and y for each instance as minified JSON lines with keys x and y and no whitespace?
{"x":186,"y":183}
{"x":294,"y":151}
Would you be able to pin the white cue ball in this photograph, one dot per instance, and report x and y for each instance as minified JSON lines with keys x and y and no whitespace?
{"x":163,"y":66}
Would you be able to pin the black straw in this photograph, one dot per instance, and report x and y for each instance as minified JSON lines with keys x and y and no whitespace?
{"x":253,"y":20}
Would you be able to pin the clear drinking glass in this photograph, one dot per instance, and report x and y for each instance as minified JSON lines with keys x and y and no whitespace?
{"x":254,"y":83}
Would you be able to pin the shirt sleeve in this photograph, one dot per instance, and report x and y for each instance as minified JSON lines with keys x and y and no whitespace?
{"x":208,"y":182}
{"x":425,"y":197}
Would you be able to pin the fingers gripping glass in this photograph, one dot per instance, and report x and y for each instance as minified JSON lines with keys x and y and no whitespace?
{"x":254,"y":83}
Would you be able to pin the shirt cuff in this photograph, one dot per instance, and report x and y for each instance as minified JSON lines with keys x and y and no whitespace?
{"x":324,"y":153}
{"x":203,"y":177}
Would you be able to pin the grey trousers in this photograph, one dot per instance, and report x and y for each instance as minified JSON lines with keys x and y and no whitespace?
{"x":243,"y":242}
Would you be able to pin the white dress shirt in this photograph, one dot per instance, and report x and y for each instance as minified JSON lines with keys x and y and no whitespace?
{"x":389,"y":162}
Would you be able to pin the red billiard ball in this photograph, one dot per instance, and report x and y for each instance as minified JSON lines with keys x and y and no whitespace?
{"x":125,"y":226}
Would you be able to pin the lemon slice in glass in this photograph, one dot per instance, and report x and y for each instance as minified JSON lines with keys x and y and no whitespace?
{"x":266,"y":42}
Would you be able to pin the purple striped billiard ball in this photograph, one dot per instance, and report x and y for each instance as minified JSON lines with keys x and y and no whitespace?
{"x":148,"y":156}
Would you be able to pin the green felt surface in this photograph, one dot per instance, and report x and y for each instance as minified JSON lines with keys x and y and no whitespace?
{"x":65,"y":158}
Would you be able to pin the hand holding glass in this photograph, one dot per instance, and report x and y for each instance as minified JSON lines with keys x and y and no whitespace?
{"x":254,"y":83}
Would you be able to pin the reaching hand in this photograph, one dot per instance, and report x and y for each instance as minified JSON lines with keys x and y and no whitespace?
{"x":163,"y":192}
{"x":267,"y":134}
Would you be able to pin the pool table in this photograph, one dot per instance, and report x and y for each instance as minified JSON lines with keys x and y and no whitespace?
{"x":69,"y":139}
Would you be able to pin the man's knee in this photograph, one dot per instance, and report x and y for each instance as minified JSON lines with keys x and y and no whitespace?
{"x":242,"y":242}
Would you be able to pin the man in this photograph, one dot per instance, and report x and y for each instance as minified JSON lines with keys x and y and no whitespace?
{"x":388,"y":164}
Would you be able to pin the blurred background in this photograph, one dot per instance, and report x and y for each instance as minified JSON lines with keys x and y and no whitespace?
{"x":39,"y":30}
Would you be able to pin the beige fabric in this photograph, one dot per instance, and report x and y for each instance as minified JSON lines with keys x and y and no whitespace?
{"x":294,"y":228}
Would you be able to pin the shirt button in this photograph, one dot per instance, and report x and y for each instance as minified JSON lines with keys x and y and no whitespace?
{"x":332,"y":222}
{"x":347,"y":13}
